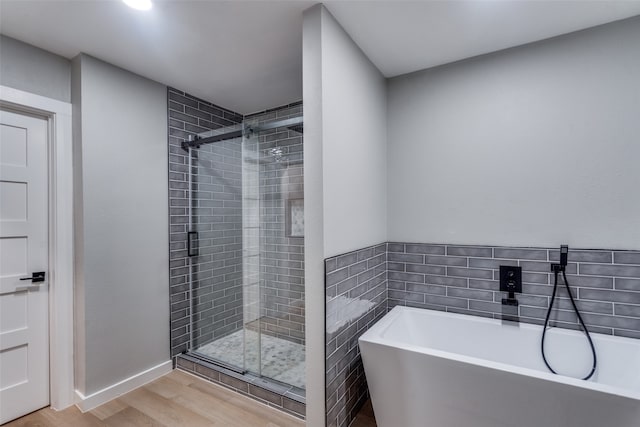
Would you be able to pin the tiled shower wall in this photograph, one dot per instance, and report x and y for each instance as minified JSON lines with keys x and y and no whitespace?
{"x":217,"y":211}
{"x":465,"y":279}
{"x":281,"y":175}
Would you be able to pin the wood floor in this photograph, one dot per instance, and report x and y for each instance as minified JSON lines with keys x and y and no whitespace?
{"x":177,"y":399}
{"x":365,"y":417}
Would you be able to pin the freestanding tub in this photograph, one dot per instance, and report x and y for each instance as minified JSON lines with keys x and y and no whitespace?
{"x":432,"y":369}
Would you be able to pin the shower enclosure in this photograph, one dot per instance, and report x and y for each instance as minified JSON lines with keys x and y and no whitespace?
{"x":246,"y":246}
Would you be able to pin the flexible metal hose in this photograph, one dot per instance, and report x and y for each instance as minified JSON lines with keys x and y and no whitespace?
{"x":584,"y":327}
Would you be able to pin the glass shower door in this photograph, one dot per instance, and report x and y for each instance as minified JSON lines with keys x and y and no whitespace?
{"x":224,"y":304}
{"x":281,"y":192}
{"x":246,"y":241}
{"x":251,"y":253}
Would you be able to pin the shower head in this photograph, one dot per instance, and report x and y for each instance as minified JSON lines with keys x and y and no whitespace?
{"x":277,"y":153}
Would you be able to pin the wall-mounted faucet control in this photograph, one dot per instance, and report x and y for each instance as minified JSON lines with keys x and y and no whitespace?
{"x":510,"y":282}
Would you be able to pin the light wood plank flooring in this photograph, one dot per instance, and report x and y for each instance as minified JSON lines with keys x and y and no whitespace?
{"x":177,"y":399}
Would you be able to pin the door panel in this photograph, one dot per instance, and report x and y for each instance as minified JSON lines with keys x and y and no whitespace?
{"x":24,"y":306}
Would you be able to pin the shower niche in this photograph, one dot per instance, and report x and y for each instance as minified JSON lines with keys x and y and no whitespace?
{"x":245,"y":248}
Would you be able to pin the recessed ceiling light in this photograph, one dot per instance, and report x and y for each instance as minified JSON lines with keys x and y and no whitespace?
{"x":138,"y":4}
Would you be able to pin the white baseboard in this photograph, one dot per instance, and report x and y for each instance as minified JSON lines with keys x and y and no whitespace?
{"x":87,"y":403}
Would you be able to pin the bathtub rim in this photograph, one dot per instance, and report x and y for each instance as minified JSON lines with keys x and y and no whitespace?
{"x":374,"y":336}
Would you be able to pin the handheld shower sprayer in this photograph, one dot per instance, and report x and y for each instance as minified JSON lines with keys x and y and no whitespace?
{"x":561,"y":267}
{"x":564,"y":256}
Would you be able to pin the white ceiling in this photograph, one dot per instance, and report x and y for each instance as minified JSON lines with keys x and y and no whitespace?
{"x":247,"y":55}
{"x":401,"y":37}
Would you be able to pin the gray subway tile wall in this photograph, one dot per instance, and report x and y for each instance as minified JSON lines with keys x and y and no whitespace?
{"x":470,"y":284}
{"x":217,"y":217}
{"x":356,"y":293}
{"x":465,"y":279}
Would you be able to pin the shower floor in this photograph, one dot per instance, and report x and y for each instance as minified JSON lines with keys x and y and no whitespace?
{"x":282,"y":360}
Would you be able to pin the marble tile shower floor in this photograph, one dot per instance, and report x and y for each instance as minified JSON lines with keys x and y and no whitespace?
{"x":282,"y":360}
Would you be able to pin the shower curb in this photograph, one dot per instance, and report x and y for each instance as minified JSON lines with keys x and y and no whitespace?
{"x":288,"y":399}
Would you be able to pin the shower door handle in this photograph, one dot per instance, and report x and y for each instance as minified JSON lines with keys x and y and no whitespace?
{"x":191,"y":251}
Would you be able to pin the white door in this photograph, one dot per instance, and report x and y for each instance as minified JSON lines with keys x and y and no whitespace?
{"x":24,"y":304}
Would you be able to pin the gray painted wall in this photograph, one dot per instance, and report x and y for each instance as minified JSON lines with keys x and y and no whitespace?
{"x":532,"y":146}
{"x":313,"y":215}
{"x":122,"y":300}
{"x":354,"y":144}
{"x":345,"y":169}
{"x":34,"y":70}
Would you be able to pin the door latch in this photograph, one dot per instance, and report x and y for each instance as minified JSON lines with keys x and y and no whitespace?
{"x":35,"y":277}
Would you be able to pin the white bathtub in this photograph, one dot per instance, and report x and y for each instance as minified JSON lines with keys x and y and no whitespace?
{"x":432,"y":369}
